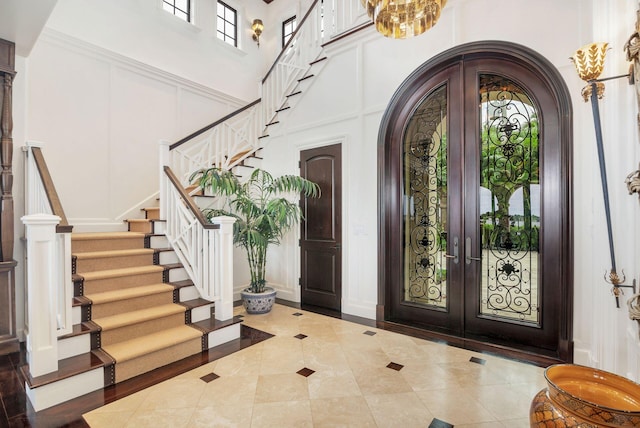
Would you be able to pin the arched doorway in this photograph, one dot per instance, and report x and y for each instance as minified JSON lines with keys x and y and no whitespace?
{"x":475,"y":203}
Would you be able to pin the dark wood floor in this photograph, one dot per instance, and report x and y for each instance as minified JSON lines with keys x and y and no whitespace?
{"x":16,"y":411}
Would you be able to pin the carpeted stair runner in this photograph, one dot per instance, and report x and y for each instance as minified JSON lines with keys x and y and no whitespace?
{"x":141,"y":327}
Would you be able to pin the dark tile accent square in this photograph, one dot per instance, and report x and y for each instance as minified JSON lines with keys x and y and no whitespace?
{"x":437,"y":423}
{"x":300,"y":336}
{"x":478,"y":361}
{"x":395,"y":366}
{"x":297,"y":314}
{"x":369,"y":333}
{"x":211,"y":376}
{"x":305,"y":372}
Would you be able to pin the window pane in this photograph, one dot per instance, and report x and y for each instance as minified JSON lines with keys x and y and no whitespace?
{"x":510,"y":219}
{"x":182,"y":5}
{"x":167,"y":7}
{"x":226,"y":23}
{"x":182,"y":15}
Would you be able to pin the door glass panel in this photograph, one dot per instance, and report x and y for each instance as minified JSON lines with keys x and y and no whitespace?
{"x":509,"y":202}
{"x":425,"y":203}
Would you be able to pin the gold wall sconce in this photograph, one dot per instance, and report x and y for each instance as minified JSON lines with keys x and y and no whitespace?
{"x":589,"y":62}
{"x":257,"y":27}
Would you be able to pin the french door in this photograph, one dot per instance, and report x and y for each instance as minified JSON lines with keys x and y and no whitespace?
{"x":478,"y":211}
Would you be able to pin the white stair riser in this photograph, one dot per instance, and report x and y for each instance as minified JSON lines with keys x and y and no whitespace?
{"x":76,"y":315}
{"x":72,"y":346}
{"x":159,"y":227}
{"x":189,"y":293}
{"x":224,"y":335}
{"x":201,"y":313}
{"x":63,"y":390}
{"x":168,"y":257}
{"x":178,"y":274}
{"x":159,"y":242}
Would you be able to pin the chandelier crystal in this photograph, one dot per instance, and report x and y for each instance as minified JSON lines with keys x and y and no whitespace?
{"x":401,"y":19}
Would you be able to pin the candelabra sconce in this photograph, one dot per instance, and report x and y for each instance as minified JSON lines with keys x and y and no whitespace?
{"x":589,"y":62}
{"x":257,"y":26}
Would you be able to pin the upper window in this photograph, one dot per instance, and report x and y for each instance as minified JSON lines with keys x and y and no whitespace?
{"x":288,"y":28}
{"x":227,"y":27}
{"x":180,"y":8}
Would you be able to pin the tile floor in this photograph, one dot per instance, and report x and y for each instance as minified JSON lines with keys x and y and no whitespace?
{"x":324,"y":372}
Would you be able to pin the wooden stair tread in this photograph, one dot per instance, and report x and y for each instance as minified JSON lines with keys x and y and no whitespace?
{"x":69,"y":367}
{"x":142,"y":315}
{"x":182,"y":283}
{"x":115,"y":273}
{"x":80,"y":329}
{"x":130,"y":349}
{"x":212,"y":324}
{"x":173,"y":266}
{"x":129,"y":293}
{"x":195,"y":303}
{"x":112,"y":253}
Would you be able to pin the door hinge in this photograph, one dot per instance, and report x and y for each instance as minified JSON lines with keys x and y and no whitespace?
{"x":299,"y":165}
{"x":299,"y":242}
{"x":300,"y":282}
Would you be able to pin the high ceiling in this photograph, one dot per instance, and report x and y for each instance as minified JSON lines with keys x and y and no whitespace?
{"x":22,"y":21}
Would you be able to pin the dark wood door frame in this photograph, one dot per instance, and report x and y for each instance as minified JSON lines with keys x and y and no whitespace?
{"x":389,"y":165}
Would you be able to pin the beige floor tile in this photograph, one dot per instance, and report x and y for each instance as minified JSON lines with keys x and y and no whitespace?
{"x":455,"y":406}
{"x":320,"y":355}
{"x":380,"y":380}
{"x":517,"y":423}
{"x":425,"y":376}
{"x":154,"y":418}
{"x":352,"y":412}
{"x":127,"y":404}
{"x":229,"y":391}
{"x":174,"y":394}
{"x":333,"y":384}
{"x":282,"y":414}
{"x":281,"y":387}
{"x":241,"y":363}
{"x":107,"y":419}
{"x":227,"y":416}
{"x":399,"y":410}
{"x":504,"y":401}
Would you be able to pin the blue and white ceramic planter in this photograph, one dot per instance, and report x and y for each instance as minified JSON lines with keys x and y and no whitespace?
{"x":258,"y":303}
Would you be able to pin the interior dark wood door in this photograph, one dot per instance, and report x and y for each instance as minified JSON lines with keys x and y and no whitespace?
{"x":475,"y":206}
{"x":321,"y":234}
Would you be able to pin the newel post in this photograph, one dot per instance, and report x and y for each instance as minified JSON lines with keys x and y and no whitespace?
{"x":164,"y":157}
{"x":42,"y":305}
{"x":224,"y":267}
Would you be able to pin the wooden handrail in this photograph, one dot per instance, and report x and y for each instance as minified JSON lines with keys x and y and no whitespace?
{"x":188,"y":201}
{"x":298,"y":27}
{"x":50,"y":190}
{"x":212,"y":125}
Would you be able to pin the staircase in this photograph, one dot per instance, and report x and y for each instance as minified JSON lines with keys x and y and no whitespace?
{"x":138,"y":295}
{"x":134,"y":310}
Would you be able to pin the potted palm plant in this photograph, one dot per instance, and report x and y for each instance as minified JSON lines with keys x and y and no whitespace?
{"x":263,"y":215}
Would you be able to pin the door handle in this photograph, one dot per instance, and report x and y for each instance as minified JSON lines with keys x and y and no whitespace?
{"x":468,"y":252}
{"x":336,"y":247}
{"x":455,"y":251}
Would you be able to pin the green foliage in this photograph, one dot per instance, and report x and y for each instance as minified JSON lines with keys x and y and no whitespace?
{"x":263,"y":213}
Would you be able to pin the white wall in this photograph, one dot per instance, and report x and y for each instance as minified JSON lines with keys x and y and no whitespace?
{"x":347,"y":100}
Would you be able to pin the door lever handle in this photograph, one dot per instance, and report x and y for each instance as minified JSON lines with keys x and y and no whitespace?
{"x":468,"y":252}
{"x":455,"y":251}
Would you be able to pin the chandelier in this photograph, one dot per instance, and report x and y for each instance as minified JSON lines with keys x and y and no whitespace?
{"x":400,"y":19}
